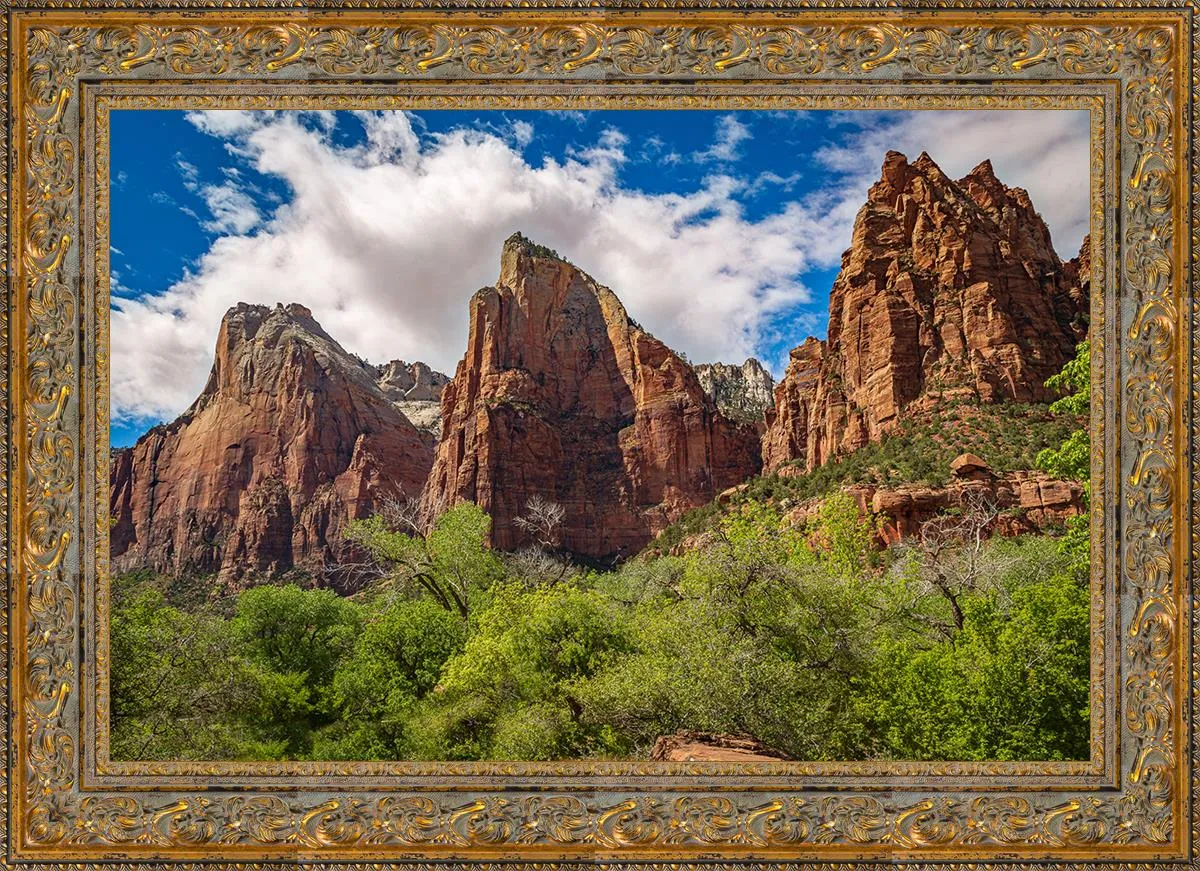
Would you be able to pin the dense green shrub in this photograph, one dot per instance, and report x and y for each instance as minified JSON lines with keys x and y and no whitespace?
{"x":809,"y":639}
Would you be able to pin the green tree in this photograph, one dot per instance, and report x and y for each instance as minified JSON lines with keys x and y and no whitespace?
{"x":451,"y":562}
{"x":295,"y":638}
{"x":1071,"y":459}
{"x":1013,"y":683}
{"x":509,"y":693}
{"x":759,"y":634}
{"x":397,"y":660}
{"x":180,"y":687}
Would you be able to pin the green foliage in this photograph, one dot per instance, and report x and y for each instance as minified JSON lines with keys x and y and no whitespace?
{"x":843,"y":537}
{"x":180,"y":686}
{"x":452,"y":563}
{"x":1075,"y":381}
{"x":1072,"y":458}
{"x":507,"y":695}
{"x":809,"y":639}
{"x":397,"y":661}
{"x":538,"y":250}
{"x":789,"y":622}
{"x":1012,"y":685}
{"x":295,"y":638}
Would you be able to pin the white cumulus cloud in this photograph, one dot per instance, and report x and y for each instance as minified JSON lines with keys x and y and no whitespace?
{"x":386,"y":241}
{"x":730,"y":133}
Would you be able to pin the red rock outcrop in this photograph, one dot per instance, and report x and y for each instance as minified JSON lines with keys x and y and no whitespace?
{"x":561,"y":395}
{"x":950,"y":289}
{"x":1021,"y":502}
{"x":290,"y":439}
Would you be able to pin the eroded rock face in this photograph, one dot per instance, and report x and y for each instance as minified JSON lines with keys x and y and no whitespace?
{"x":950,"y":289}
{"x":561,"y":395}
{"x":290,"y":439}
{"x":417,"y":390}
{"x":741,"y":393}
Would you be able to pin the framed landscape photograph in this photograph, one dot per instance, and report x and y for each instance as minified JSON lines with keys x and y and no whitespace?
{"x":584,"y":543}
{"x":658,"y":435}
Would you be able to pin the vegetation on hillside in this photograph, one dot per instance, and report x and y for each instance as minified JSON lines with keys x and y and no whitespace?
{"x":807,"y":639}
{"x":950,"y":646}
{"x":1008,"y":436}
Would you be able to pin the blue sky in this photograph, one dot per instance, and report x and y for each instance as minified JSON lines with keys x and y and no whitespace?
{"x":721,"y":232}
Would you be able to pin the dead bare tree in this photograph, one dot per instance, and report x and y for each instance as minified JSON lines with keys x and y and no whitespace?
{"x":950,"y":559}
{"x":542,"y":521}
{"x":402,"y":513}
{"x":541,"y":562}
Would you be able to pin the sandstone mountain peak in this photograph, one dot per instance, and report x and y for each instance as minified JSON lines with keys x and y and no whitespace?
{"x":949,"y":290}
{"x":417,"y":390}
{"x":291,"y":438}
{"x":982,"y":170}
{"x":561,"y":395}
{"x":518,"y":244}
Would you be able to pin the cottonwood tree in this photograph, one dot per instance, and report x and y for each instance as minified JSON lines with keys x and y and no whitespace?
{"x":447,"y":559}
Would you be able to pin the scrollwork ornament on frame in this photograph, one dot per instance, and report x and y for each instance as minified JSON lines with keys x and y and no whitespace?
{"x":1142,"y":817}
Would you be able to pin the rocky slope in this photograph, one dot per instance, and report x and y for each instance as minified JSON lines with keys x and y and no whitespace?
{"x":417,"y":390}
{"x":741,"y":392}
{"x":562,"y":395}
{"x":290,"y":439}
{"x":1016,"y":502}
{"x":950,"y":289}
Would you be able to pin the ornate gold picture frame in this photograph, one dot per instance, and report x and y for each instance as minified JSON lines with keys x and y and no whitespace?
{"x":69,"y":65}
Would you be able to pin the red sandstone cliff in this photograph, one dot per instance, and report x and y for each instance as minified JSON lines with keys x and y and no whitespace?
{"x":290,"y":439}
{"x":563,"y":396}
{"x":949,"y":289}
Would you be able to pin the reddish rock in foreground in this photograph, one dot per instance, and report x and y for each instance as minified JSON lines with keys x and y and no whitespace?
{"x":1023,"y":502}
{"x":291,"y":438}
{"x":689,"y":746}
{"x":561,"y":395}
{"x":950,"y":289}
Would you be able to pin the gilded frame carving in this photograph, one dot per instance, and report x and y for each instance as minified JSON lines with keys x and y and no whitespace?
{"x":69,"y":65}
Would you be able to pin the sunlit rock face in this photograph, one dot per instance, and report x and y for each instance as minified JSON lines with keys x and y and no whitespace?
{"x":949,"y":290}
{"x":291,"y":438}
{"x":741,"y":393}
{"x":562,"y":395}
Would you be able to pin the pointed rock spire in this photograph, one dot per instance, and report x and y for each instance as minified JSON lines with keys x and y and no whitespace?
{"x":561,"y":395}
{"x":949,"y":290}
